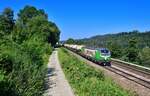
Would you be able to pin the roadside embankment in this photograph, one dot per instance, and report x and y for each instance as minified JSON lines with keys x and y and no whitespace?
{"x":86,"y":80}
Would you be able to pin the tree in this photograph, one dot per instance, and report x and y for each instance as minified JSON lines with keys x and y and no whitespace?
{"x":132,"y":50}
{"x":70,"y":41}
{"x":115,"y":49}
{"x":23,"y":57}
{"x":6,"y":21}
{"x":29,"y":12}
{"x":53,"y":38}
{"x":144,"y":56}
{"x":32,"y":21}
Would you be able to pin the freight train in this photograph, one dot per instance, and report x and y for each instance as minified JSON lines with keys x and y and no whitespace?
{"x":101,"y":56}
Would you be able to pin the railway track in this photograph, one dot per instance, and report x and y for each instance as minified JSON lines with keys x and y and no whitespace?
{"x":141,"y":77}
{"x":131,"y":76}
{"x":133,"y":69}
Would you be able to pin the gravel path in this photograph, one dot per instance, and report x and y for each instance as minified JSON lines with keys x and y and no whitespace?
{"x":56,"y":83}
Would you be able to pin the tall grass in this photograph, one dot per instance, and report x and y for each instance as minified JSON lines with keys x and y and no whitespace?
{"x":23,"y":68}
{"x":87,"y":81}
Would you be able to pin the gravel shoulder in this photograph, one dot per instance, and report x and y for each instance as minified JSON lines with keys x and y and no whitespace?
{"x":122,"y":81}
{"x":56,"y":83}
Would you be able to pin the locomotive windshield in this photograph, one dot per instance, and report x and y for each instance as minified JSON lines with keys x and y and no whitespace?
{"x":104,"y":51}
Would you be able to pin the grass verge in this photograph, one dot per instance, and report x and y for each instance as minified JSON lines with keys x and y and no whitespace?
{"x":88,"y":81}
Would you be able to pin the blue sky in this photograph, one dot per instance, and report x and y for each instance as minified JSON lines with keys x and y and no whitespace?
{"x":85,"y":18}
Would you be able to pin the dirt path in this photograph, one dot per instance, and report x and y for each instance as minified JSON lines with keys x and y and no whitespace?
{"x":57,"y":85}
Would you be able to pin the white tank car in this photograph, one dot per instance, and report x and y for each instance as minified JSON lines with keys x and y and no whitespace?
{"x":66,"y":45}
{"x":74,"y":46}
{"x":89,"y":52}
{"x":69,"y":45}
{"x":77,"y":47}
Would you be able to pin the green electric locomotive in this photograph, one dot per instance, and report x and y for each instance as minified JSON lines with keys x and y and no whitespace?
{"x":100,"y":55}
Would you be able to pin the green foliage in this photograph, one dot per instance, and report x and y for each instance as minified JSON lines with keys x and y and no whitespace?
{"x":144,"y":56}
{"x":70,"y":41}
{"x":87,"y":81}
{"x":132,"y":50}
{"x":25,"y":66}
{"x":7,"y":86}
{"x":24,"y":53}
{"x":121,"y":45}
{"x":37,"y":25}
{"x":115,"y":49}
{"x":28,"y":12}
{"x":6,"y":21}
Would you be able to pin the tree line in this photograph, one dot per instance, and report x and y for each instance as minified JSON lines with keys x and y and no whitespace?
{"x":131,"y":46}
{"x":25,"y":45}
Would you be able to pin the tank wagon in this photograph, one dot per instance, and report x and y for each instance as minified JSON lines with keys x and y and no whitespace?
{"x":101,"y":56}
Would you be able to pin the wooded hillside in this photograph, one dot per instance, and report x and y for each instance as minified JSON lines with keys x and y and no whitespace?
{"x":129,"y":46}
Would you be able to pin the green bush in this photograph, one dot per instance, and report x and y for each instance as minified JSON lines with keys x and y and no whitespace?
{"x":28,"y":67}
{"x":24,"y":51}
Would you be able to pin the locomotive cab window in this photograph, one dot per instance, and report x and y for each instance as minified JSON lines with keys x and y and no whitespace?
{"x":104,"y":51}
